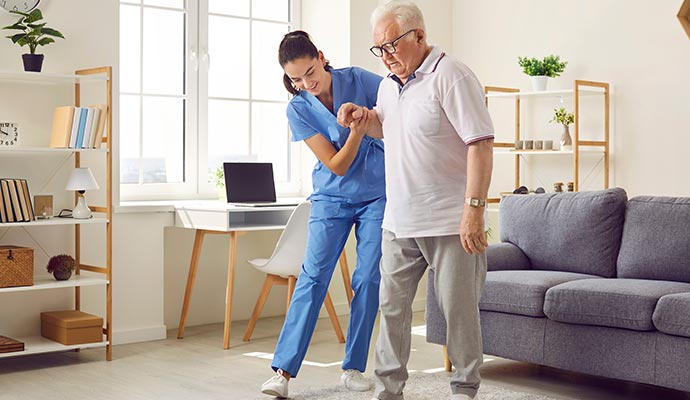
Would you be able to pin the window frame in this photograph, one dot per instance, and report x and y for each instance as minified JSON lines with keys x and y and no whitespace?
{"x":196,"y":184}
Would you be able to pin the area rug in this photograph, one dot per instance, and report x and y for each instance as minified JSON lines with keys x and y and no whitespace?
{"x":420,"y":386}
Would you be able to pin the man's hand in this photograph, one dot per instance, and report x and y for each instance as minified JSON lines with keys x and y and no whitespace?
{"x":349,"y":112}
{"x":472,"y":234}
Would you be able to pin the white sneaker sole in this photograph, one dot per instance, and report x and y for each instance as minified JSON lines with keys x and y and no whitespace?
{"x":274,"y":393}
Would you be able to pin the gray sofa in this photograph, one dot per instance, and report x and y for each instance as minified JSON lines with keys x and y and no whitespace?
{"x":589,"y":282}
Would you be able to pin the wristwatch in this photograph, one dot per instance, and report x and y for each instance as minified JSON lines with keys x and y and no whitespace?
{"x":475,"y":202}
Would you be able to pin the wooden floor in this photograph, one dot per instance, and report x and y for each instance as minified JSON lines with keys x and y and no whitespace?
{"x":197,"y":367}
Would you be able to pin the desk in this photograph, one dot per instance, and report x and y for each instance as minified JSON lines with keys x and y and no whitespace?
{"x":215,"y":217}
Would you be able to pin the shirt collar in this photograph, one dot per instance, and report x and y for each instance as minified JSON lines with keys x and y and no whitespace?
{"x":428,"y":65}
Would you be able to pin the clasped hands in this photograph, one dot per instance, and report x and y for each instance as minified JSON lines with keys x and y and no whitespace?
{"x":353,"y":116}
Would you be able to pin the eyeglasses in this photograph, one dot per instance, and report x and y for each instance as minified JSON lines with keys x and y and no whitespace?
{"x":389,"y":47}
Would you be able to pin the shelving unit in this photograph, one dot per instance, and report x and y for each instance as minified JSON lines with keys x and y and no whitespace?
{"x":580,"y":89}
{"x":99,"y":275}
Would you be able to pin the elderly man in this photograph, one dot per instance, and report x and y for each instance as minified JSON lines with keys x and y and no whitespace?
{"x":439,"y":142}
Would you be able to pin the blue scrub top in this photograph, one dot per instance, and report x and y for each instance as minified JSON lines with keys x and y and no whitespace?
{"x":364,"y":179}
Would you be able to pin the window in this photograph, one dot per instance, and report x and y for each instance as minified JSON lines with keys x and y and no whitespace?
{"x":200,"y":84}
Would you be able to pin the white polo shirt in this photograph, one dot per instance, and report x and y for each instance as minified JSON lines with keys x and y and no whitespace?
{"x":427,"y":125}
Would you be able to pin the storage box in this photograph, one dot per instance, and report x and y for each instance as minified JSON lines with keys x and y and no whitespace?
{"x":71,"y":327}
{"x":16,"y":266}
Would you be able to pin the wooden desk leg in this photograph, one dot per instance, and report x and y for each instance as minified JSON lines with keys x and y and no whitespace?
{"x":228,"y":290}
{"x":345,"y":270}
{"x":193,"y":266}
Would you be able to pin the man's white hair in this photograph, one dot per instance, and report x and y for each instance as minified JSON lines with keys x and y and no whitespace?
{"x":406,"y":13}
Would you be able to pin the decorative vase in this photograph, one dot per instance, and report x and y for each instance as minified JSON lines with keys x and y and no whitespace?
{"x":539,"y":82}
{"x":32,"y":62}
{"x":62,"y":274}
{"x":566,"y":141}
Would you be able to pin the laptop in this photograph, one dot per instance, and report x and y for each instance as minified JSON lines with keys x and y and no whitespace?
{"x":251,"y":184}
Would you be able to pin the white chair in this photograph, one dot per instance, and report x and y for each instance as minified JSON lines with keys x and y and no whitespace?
{"x":284,"y":267}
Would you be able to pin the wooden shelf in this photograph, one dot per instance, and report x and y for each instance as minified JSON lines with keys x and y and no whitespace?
{"x":546,"y":93}
{"x":48,"y":282}
{"x":41,"y":345}
{"x":21,"y":149}
{"x":56,"y":221}
{"x":49,"y":78}
{"x":546,"y":152}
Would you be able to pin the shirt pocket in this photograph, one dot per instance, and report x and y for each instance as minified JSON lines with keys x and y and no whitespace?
{"x":422,"y":117}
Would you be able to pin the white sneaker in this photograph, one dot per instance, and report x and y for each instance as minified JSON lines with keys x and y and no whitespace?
{"x":276,"y":386}
{"x":460,"y":396}
{"x":354,"y":380}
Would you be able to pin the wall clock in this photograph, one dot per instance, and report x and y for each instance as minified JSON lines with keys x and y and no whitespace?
{"x":19,"y":5}
{"x":9,"y":134}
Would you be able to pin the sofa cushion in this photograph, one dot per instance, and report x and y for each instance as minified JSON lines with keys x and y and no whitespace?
{"x":572,"y":232}
{"x":672,"y":314}
{"x":505,"y":256}
{"x":619,"y":303}
{"x":656,"y":239}
{"x":521,"y":292}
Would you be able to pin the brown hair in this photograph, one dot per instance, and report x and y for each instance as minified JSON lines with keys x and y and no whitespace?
{"x":296,"y":44}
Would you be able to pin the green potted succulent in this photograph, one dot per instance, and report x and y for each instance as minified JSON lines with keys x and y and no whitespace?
{"x":565,"y":118}
{"x":61,"y":266}
{"x":541,"y":70}
{"x":32,"y":33}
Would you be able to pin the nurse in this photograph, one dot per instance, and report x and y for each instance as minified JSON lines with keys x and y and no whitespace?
{"x":348,"y":189}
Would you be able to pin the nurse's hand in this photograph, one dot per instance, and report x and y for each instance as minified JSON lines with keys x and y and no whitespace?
{"x":360,"y":125}
{"x":348,"y":112}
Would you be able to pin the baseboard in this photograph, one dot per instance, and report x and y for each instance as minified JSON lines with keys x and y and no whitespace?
{"x":139,"y":335}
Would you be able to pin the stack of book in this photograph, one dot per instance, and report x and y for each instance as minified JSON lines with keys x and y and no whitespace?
{"x":15,"y":201}
{"x":78,"y":127}
{"x":8,"y":345}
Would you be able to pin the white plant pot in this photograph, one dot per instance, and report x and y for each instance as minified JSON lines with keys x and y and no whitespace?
{"x":539,"y":83}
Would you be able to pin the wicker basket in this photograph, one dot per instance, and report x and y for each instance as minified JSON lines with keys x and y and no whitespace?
{"x":16,"y":266}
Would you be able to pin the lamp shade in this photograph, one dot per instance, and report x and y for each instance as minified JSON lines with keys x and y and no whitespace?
{"x":81,"y":179}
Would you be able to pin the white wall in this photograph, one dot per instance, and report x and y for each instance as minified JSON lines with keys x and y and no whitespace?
{"x":638,"y":46}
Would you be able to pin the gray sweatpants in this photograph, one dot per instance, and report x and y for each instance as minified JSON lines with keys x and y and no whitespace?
{"x":459,"y":282}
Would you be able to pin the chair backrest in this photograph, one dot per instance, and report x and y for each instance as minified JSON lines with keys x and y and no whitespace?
{"x":289,"y":253}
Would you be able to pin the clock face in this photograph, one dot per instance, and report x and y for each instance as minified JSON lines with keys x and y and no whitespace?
{"x":9,"y":134}
{"x":19,"y":5}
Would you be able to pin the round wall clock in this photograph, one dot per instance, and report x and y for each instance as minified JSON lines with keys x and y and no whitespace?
{"x":19,"y":5}
{"x":9,"y":134}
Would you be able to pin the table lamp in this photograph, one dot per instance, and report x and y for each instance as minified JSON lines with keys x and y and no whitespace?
{"x":81,"y":180}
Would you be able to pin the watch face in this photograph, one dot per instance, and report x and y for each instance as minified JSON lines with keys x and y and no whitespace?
{"x":19,"y":5}
{"x":9,"y":134}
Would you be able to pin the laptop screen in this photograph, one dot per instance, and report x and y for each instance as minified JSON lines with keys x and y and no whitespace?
{"x":249,"y":182}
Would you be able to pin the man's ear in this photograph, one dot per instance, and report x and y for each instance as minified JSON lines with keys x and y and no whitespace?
{"x":420,"y":35}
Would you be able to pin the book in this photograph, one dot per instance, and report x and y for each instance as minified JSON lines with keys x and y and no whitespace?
{"x":62,"y":127}
{"x":97,"y":138}
{"x":22,"y":200}
{"x":75,"y":127}
{"x":8,"y":345}
{"x":27,"y":199}
{"x":5,"y":191}
{"x":94,"y":128}
{"x":14,"y":195}
{"x":3,"y":216}
{"x":82,"y":125}
{"x":90,"y":112}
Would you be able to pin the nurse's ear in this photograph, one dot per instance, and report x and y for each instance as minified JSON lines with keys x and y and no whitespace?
{"x":324,"y":61}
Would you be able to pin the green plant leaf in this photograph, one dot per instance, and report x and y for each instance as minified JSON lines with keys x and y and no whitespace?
{"x":16,"y":25}
{"x":34,"y":16}
{"x":16,"y":38}
{"x":51,"y":32}
{"x":24,"y":15}
{"x":45,"y":41}
{"x":37,"y":25}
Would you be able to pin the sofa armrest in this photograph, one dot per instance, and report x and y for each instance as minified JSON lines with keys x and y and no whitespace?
{"x":506,"y":256}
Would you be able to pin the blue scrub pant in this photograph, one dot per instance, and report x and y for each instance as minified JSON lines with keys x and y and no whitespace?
{"x":329,"y":226}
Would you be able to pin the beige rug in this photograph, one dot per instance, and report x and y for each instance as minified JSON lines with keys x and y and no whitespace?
{"x":420,"y":386}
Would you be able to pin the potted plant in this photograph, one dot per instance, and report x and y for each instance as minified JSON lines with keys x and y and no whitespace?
{"x":541,"y":70}
{"x":33,"y":33}
{"x":563,"y":117}
{"x":61,"y":266}
{"x":217,"y":177}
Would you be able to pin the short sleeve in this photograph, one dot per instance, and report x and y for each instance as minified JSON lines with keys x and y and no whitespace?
{"x":466,"y":110}
{"x":299,"y":128}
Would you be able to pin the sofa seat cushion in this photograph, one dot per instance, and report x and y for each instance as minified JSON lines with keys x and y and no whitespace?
{"x":619,"y":303}
{"x":522,"y":292}
{"x":672,"y":314}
